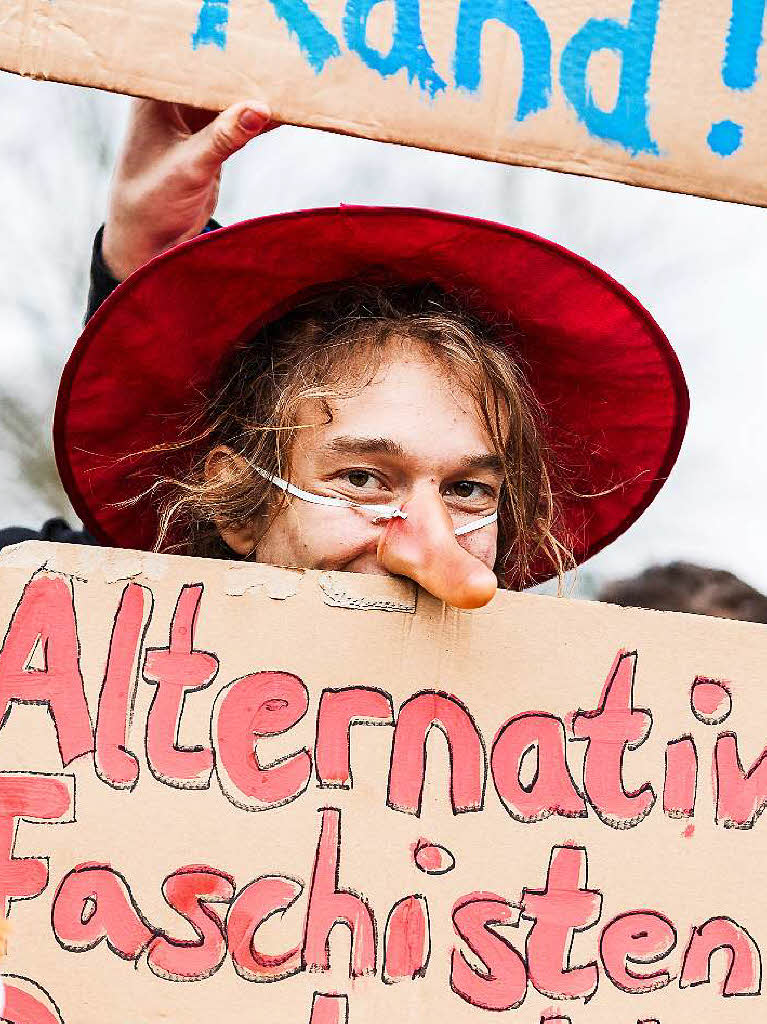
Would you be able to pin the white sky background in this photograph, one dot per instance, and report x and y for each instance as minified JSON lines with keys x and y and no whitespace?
{"x":699,"y":266}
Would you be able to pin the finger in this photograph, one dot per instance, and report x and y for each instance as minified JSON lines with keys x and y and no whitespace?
{"x":158,"y":115}
{"x":230,"y":131}
{"x":194,"y":119}
{"x":151,"y":129}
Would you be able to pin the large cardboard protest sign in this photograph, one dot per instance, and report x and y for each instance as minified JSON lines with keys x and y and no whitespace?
{"x":322,"y":798}
{"x":655,"y":92}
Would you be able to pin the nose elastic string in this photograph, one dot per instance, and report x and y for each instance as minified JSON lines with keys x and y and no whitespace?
{"x":379,"y":512}
{"x":477,"y":524}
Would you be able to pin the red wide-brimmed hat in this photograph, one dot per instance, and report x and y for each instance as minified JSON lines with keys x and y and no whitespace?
{"x":610,"y":384}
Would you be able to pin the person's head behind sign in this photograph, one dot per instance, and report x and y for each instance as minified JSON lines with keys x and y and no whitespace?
{"x":371,"y":390}
{"x":685,"y":587}
{"x":377,"y":396}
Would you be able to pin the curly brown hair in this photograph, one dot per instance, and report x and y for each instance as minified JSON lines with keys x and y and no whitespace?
{"x":305,"y":354}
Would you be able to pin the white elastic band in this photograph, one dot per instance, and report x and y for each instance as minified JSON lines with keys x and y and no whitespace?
{"x":379,"y":512}
{"x":477,"y":524}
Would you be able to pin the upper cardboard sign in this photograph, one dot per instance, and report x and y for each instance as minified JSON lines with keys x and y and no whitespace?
{"x":315,"y":798}
{"x":654,"y":92}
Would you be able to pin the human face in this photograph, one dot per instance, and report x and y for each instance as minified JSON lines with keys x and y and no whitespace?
{"x":409,"y":437}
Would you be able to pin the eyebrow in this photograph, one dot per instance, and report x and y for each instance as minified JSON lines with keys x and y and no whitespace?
{"x":345,"y":445}
{"x":476,"y":463}
{"x":348,"y":445}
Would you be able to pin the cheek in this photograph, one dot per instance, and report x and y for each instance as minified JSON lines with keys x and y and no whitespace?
{"x":313,"y":537}
{"x":483,"y":544}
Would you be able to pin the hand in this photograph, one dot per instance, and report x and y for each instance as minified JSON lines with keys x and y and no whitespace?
{"x":166,"y":181}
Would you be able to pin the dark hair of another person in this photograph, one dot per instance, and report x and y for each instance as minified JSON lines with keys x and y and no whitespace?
{"x":684,"y":587}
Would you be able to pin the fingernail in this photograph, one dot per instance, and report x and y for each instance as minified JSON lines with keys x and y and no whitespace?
{"x":253,"y":119}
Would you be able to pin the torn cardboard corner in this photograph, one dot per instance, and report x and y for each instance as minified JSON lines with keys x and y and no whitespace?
{"x":650,"y":92}
{"x":206,"y":767}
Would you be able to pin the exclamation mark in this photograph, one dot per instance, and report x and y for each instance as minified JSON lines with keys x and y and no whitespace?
{"x":739,"y":68}
{"x":212,"y":22}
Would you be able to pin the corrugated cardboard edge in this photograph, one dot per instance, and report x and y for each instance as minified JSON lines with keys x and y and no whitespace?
{"x":667,"y":179}
{"x":353,"y":591}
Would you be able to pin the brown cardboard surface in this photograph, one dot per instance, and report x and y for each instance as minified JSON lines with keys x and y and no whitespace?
{"x":700,"y":870}
{"x":614,"y":89}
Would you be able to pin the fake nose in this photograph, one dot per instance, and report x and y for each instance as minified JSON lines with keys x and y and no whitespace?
{"x":424,"y":548}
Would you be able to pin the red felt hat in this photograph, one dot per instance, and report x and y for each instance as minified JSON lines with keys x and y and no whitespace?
{"x":606,"y":375}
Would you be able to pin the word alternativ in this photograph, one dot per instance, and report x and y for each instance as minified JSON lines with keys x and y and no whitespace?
{"x":265,"y":704}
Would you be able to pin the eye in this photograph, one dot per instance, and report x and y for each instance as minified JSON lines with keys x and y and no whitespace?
{"x":361,"y":484}
{"x":464,"y":489}
{"x":468,"y":489}
{"x":360,"y":478}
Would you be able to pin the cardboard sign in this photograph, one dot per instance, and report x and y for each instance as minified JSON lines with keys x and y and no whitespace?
{"x":323,"y":798}
{"x":653,"y":92}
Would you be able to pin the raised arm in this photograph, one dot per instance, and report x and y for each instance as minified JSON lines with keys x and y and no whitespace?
{"x":166,"y":181}
{"x":164,"y":190}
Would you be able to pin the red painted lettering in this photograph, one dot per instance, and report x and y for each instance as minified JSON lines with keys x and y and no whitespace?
{"x":190,"y":891}
{"x":329,"y":1009}
{"x":44,"y":621}
{"x":33,"y":798}
{"x":177,"y":670}
{"x":339,"y":710}
{"x":407,"y":940}
{"x":564,"y":907}
{"x":255,"y":904}
{"x":503,"y":983}
{"x":468,"y":765}
{"x":262,"y":704}
{"x":115,"y":764}
{"x":92,"y":903}
{"x":613,"y":728}
{"x":744,"y":961}
{"x":26,"y":1002}
{"x":740,"y":796}
{"x":552,"y":790}
{"x":329,"y":906}
{"x":681,"y":782}
{"x":639,"y":937}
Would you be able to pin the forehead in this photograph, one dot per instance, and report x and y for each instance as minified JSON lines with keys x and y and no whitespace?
{"x":407,"y":396}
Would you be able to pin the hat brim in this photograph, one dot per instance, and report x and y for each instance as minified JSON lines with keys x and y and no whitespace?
{"x":610,"y":384}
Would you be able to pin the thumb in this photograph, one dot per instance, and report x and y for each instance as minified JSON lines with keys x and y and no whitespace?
{"x":228,"y":133}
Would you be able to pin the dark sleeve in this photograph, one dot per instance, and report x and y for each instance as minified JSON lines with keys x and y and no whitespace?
{"x":55,"y":530}
{"x":103,"y":283}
